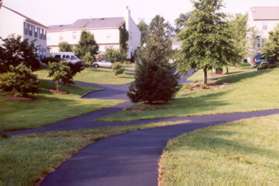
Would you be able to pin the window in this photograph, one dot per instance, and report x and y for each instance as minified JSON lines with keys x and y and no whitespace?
{"x":35,"y":32}
{"x":265,"y":26}
{"x":74,"y":36}
{"x":57,"y":57}
{"x":26,"y":28}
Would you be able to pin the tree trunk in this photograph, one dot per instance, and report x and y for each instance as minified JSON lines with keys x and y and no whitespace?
{"x":205,"y":75}
{"x":227,"y":70}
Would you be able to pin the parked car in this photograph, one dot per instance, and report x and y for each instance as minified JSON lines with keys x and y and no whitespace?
{"x":102,"y":64}
{"x":70,"y":57}
{"x":258,"y":59}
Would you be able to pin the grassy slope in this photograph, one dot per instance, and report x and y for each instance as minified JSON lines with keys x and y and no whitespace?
{"x":246,"y":91}
{"x":47,"y":108}
{"x":242,"y":153}
{"x":24,"y":160}
{"x":103,"y":76}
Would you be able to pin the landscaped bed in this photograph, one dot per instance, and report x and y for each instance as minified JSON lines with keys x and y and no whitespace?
{"x":240,"y":153}
{"x":26,"y":160}
{"x":247,"y":90}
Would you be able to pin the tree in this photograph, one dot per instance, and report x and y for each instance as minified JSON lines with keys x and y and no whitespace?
{"x":143,"y":27}
{"x":87,"y":44}
{"x":15,"y":51}
{"x":206,"y":41}
{"x":19,"y":80}
{"x":65,"y":47}
{"x":124,"y":37}
{"x":180,"y":22}
{"x":114,"y":55}
{"x":271,"y":48}
{"x":155,"y":79}
{"x":60,"y":73}
{"x":239,"y":30}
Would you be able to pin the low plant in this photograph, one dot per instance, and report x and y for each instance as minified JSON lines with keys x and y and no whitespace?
{"x":118,"y":68}
{"x":114,"y":55}
{"x":19,"y":81}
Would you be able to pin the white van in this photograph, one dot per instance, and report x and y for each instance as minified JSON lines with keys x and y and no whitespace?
{"x":70,"y":57}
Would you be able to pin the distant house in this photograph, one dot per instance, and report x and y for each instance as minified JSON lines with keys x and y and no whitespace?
{"x":105,"y":30}
{"x":263,"y":20}
{"x":15,"y":23}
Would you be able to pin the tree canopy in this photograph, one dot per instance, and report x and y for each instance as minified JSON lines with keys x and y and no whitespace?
{"x":271,"y":48}
{"x":206,"y":40}
{"x":65,"y":47}
{"x":87,"y":44}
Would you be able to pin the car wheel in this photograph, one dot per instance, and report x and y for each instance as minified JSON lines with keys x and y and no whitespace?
{"x":95,"y":66}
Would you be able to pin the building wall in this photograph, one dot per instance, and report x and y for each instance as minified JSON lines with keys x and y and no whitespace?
{"x":13,"y":24}
{"x":106,"y":38}
{"x":10,"y":23}
{"x":134,"y":34}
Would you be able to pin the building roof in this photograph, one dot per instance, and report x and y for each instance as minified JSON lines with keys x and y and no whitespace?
{"x":94,"y":23}
{"x":265,"y":13}
{"x":28,"y":19}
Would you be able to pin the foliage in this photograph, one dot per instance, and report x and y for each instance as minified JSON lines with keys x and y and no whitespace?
{"x":87,"y":44}
{"x":19,"y":81}
{"x":65,"y":47}
{"x":143,"y":27}
{"x":15,"y":51}
{"x":118,"y":68}
{"x":155,"y":79}
{"x":180,"y":22}
{"x":206,"y":41}
{"x":88,"y":59}
{"x":239,"y":29}
{"x":271,"y":48}
{"x":114,"y":55}
{"x":124,"y":37}
{"x":60,"y":73}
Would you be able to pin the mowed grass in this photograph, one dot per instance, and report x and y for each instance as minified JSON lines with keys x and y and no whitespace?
{"x":103,"y":76}
{"x":242,"y":91}
{"x":240,"y":153}
{"x":47,"y":108}
{"x":26,"y":160}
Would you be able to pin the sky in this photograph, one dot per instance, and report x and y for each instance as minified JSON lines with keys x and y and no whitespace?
{"x":50,"y":12}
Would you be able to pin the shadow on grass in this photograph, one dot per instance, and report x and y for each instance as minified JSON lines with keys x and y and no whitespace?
{"x":236,"y":77}
{"x":214,"y":140}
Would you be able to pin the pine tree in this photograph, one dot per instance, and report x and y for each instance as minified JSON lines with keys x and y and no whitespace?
{"x":206,"y":40}
{"x":156,"y":80}
{"x":87,"y":44}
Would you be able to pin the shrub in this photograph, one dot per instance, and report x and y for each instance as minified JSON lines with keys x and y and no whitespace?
{"x":15,"y":51}
{"x":118,"y":68}
{"x":61,"y":73}
{"x":113,"y":55}
{"x":20,"y":81}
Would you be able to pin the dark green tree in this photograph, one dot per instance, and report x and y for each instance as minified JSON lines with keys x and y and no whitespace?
{"x":65,"y":47}
{"x":156,"y":80}
{"x":15,"y":51}
{"x":87,"y":44}
{"x":124,"y":37}
{"x":206,"y":40}
{"x":143,"y":27}
{"x":271,"y":48}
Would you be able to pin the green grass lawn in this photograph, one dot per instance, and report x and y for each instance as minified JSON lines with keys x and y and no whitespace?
{"x":240,"y":153}
{"x":47,"y":108}
{"x":241,"y":91}
{"x":103,"y":76}
{"x":25,"y":160}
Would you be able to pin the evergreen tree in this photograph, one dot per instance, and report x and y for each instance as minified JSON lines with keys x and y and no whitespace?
{"x":206,"y":40}
{"x":143,"y":27}
{"x":155,"y":79}
{"x":87,"y":44}
{"x":271,"y":48}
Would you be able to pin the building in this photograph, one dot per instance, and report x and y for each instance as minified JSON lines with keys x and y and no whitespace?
{"x":262,"y":20}
{"x":106,"y":32}
{"x":15,"y":23}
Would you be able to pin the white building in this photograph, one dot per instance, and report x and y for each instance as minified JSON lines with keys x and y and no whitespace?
{"x":106,"y":32}
{"x":263,"y":20}
{"x":15,"y":23}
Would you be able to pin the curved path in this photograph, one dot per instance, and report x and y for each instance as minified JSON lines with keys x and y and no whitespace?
{"x":130,"y":159}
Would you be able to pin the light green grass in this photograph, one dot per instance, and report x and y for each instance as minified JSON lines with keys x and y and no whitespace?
{"x":25,"y":160}
{"x":103,"y":76}
{"x":246,"y":91}
{"x":241,"y":153}
{"x":47,"y":108}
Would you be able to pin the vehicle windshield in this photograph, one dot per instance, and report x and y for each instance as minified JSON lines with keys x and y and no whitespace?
{"x":74,"y":58}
